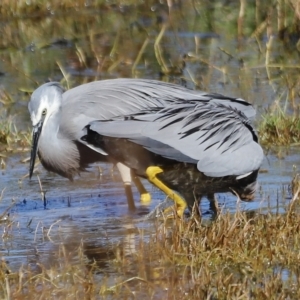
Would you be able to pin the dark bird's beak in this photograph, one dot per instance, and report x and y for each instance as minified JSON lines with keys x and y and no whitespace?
{"x":36,"y":131}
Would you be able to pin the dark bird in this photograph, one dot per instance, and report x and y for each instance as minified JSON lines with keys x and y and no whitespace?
{"x":188,"y":150}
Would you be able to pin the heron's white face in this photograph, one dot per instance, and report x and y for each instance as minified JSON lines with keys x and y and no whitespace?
{"x":43,"y":104}
{"x":36,"y":115}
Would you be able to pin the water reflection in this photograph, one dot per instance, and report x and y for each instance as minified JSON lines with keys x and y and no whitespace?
{"x":148,"y":41}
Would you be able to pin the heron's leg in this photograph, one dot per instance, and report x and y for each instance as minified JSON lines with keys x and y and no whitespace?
{"x":213,"y":203}
{"x":145,"y":196}
{"x":151,"y":173}
{"x":129,"y":196}
{"x":126,"y":178}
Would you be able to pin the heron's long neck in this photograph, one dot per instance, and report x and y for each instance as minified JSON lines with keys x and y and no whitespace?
{"x":57,"y":152}
{"x":52,"y":124}
{"x":48,"y":139}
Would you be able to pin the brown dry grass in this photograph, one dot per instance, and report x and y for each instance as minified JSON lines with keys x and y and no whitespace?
{"x":240,"y":256}
{"x":11,"y":138}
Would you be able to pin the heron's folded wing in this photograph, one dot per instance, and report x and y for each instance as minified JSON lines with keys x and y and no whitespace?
{"x":222,"y":140}
{"x":133,"y":130}
{"x":103,"y":100}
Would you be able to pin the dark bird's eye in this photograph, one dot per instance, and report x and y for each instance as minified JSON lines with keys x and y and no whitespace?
{"x":44,"y":112}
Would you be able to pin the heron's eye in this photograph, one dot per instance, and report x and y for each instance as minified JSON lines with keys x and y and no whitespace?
{"x":44,"y":112}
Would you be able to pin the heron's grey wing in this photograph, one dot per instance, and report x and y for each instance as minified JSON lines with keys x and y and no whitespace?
{"x":170,"y":93}
{"x":103,"y":100}
{"x":133,"y":131}
{"x":234,"y":103}
{"x":218,"y":137}
{"x":106,"y":99}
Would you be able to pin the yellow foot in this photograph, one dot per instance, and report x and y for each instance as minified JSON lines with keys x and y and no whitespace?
{"x":180,"y":210}
{"x":169,"y":212}
{"x":145,"y":198}
{"x":180,"y":203}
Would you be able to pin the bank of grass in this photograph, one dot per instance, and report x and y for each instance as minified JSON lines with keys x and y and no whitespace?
{"x":240,"y":256}
{"x":278,"y":127}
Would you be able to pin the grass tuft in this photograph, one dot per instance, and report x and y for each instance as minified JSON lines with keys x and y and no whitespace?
{"x":12,"y":139}
{"x":279,"y":127}
{"x":5,"y":130}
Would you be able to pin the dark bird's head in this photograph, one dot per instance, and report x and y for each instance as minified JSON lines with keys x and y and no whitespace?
{"x":246,"y":187}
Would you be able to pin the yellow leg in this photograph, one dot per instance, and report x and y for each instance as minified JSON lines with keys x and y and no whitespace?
{"x":145,"y":196}
{"x":151,"y":173}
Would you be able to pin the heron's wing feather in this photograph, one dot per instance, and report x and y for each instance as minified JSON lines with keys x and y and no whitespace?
{"x":132,"y":130}
{"x":235,"y":103}
{"x":246,"y":159}
{"x":106,"y":99}
{"x":218,"y":137}
{"x":103,"y":100}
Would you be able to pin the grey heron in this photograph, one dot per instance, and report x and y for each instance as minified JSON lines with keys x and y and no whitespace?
{"x":58,"y":117}
{"x":193,"y":148}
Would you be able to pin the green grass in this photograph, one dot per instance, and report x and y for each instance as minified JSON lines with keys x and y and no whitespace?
{"x":278,"y":127}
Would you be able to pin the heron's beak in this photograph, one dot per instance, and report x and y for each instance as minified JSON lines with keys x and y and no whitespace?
{"x":36,"y":131}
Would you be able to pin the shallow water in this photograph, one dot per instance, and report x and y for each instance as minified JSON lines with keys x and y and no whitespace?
{"x":92,"y":210}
